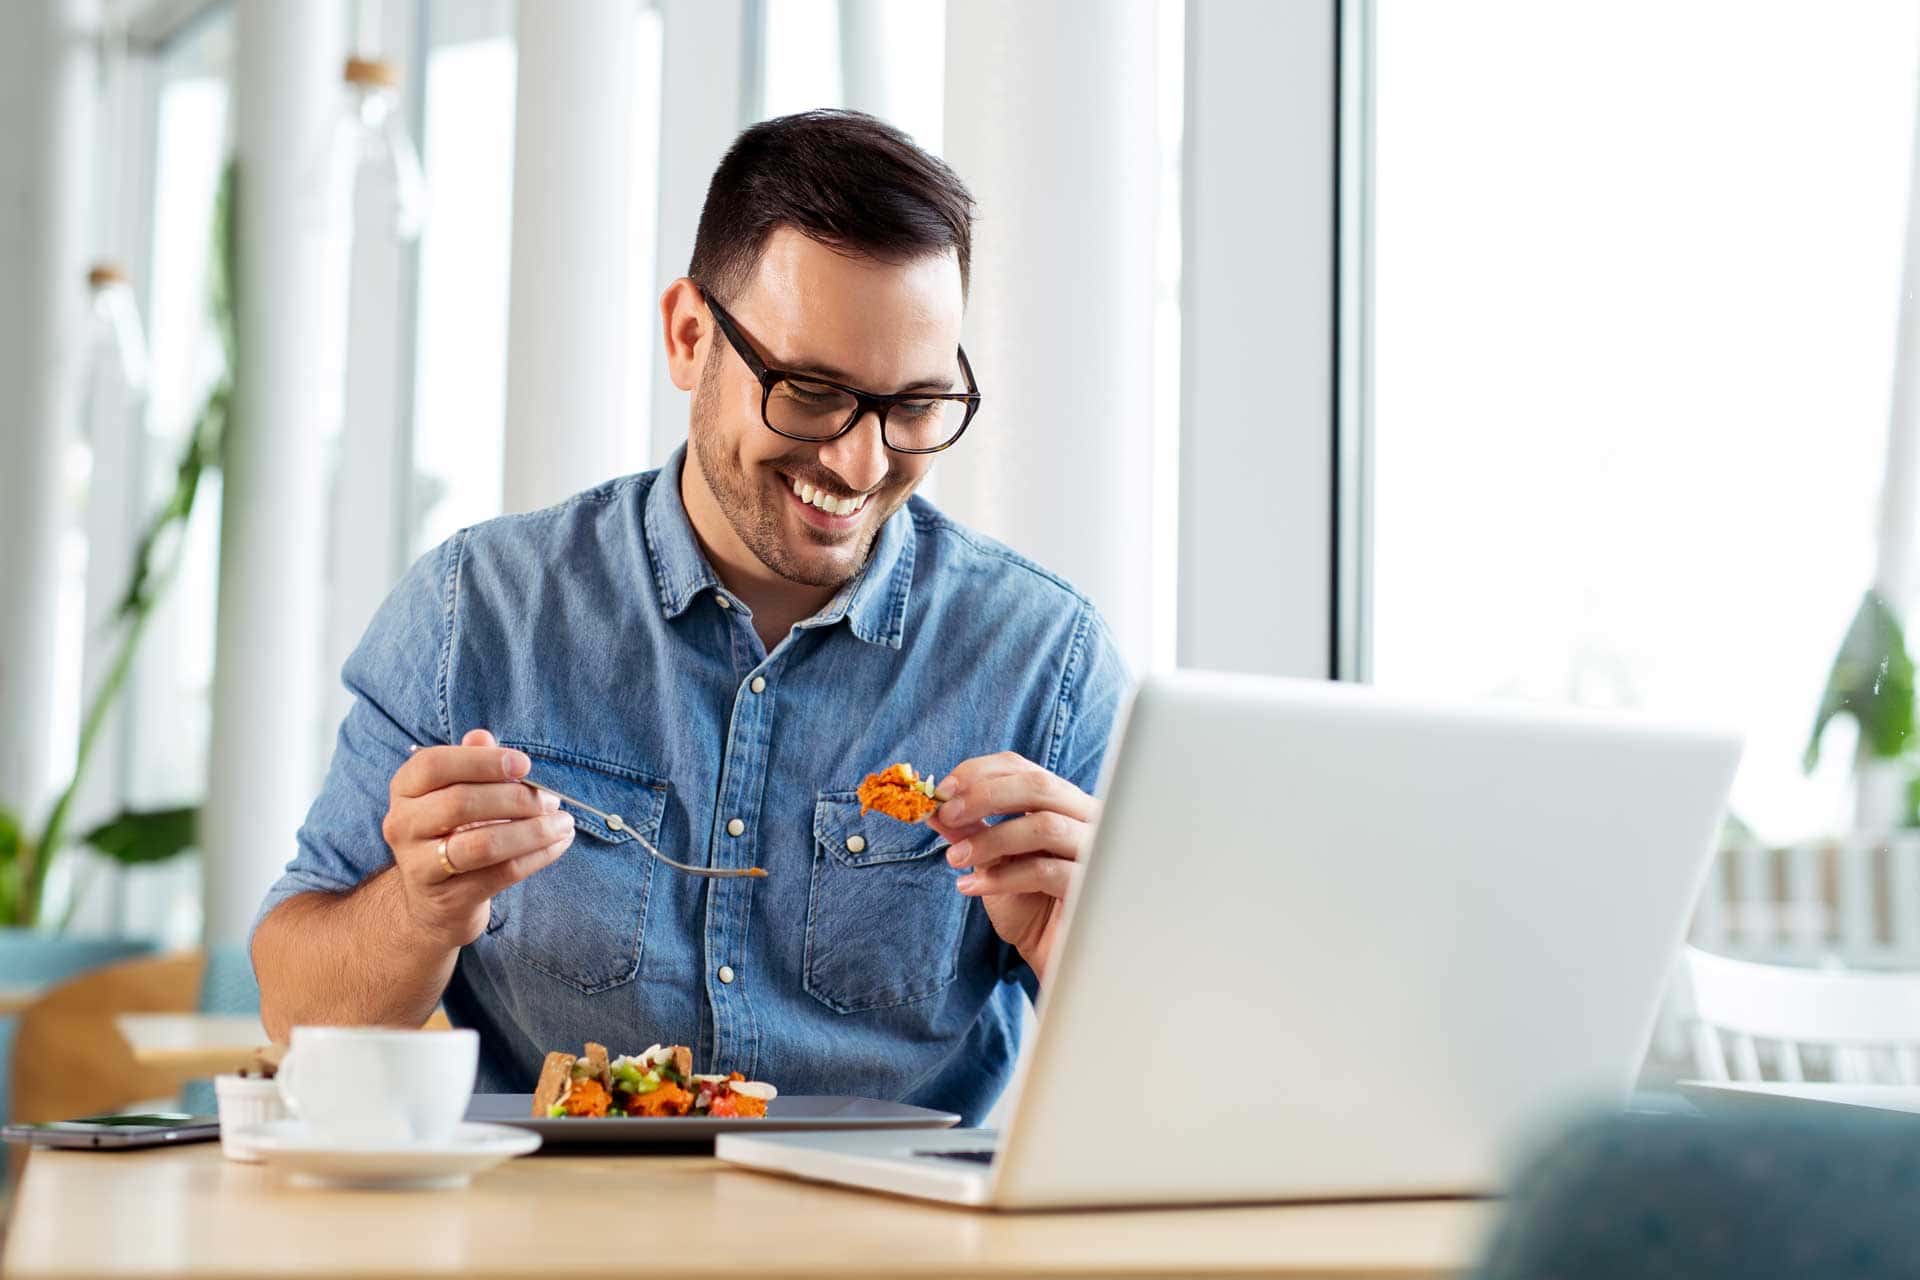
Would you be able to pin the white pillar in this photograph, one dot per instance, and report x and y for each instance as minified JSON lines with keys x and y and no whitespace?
{"x":261,"y":762}
{"x":1050,"y":121}
{"x":710,"y":89}
{"x":367,"y":549}
{"x":883,"y":77}
{"x":566,"y":424}
{"x":1257,"y":329}
{"x":46,"y":100}
{"x":1898,"y":548}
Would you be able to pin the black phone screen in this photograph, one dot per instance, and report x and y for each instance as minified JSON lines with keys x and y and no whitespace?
{"x":116,"y":1132}
{"x":158,"y":1120}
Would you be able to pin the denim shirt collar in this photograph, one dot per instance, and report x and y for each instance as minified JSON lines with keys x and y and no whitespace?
{"x":873,"y":602}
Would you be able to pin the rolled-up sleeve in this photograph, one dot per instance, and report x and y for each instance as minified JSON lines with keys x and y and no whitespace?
{"x":397,"y":675}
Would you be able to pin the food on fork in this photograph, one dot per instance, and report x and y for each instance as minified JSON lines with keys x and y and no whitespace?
{"x":656,"y":1083}
{"x":899,"y":792}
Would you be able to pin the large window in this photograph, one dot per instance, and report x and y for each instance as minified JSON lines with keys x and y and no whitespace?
{"x":465,"y":255}
{"x":1635,"y":288}
{"x":159,"y":760}
{"x":460,"y":346}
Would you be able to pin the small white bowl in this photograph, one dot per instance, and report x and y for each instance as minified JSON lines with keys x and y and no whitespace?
{"x":245,"y":1104}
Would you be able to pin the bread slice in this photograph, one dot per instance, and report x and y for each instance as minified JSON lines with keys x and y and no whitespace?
{"x":683,"y":1061}
{"x":598,"y":1066}
{"x":556,"y":1082}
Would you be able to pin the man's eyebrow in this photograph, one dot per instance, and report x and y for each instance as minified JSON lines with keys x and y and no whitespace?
{"x":832,"y":374}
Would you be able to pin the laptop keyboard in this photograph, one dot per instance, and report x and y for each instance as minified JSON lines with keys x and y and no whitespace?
{"x":972,"y":1157}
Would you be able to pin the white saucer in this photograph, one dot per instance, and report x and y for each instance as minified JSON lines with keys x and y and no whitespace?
{"x":309,"y":1160}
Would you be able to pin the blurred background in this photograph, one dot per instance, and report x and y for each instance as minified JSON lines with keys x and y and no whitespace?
{"x":1487,"y":348}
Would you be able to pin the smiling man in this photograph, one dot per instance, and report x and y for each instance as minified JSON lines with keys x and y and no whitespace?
{"x":709,"y":658}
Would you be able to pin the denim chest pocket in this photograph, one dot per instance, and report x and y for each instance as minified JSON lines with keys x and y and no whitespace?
{"x":883,"y":919}
{"x":582,"y":919}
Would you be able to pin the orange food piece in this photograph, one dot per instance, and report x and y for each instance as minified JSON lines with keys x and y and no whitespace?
{"x":736,"y":1104}
{"x":668,"y":1100}
{"x":588,"y":1098}
{"x":892,"y":792}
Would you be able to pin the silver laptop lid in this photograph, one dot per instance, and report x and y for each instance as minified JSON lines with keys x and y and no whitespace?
{"x":1336,"y":942}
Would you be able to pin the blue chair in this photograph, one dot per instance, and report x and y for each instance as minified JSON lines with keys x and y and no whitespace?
{"x":1828,"y":1195}
{"x":226,"y":987}
{"x":29,"y":959}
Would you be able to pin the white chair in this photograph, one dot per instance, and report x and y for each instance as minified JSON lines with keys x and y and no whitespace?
{"x":1866,"y":1026}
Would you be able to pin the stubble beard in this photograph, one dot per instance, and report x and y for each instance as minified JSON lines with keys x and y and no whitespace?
{"x":761,"y":528}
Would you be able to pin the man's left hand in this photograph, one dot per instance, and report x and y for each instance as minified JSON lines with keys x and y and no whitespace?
{"x":1023,"y":866}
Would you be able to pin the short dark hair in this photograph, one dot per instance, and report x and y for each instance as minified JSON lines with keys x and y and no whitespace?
{"x":843,"y":178}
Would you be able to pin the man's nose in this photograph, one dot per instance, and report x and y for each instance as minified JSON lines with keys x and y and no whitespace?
{"x":859,"y":457}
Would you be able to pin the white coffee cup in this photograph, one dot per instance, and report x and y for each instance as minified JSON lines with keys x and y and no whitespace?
{"x":379,"y":1085}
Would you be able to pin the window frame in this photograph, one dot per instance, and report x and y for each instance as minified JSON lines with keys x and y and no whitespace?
{"x":1261,"y":302}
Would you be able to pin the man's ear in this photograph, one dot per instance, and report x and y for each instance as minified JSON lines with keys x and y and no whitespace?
{"x":684,"y":327}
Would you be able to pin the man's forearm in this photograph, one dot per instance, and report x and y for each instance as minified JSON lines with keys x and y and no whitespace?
{"x":351,"y":958}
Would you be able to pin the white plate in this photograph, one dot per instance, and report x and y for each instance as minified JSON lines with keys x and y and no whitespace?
{"x":288,"y":1145}
{"x":785,"y":1113}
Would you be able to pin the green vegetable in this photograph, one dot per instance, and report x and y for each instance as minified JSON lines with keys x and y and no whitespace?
{"x":647,"y":1083}
{"x":556,"y":1111}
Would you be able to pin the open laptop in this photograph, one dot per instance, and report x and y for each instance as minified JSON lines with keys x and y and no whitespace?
{"x":1331,"y":942}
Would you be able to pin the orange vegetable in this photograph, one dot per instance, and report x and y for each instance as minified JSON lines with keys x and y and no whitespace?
{"x":588,"y":1098}
{"x":668,"y":1100}
{"x":735,"y":1105}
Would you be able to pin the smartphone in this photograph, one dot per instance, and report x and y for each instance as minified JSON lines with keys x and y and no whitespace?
{"x":117,"y":1133}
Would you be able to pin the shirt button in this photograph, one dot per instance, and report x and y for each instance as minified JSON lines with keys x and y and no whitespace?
{"x":759,"y":684}
{"x":856,"y":843}
{"x":726,"y":973}
{"x":735,"y":827}
{"x":723,"y":602}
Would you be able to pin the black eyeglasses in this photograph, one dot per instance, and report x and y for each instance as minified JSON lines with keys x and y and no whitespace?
{"x":801,"y":406}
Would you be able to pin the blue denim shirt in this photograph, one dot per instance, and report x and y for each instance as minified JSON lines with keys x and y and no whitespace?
{"x":592,"y":636}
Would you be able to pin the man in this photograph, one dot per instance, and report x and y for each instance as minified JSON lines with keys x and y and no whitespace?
{"x":710,"y":657}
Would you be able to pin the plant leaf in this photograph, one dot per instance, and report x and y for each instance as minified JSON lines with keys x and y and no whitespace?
{"x":1735,"y":833}
{"x":1872,"y":681}
{"x":152,"y":835}
{"x":11,"y":866}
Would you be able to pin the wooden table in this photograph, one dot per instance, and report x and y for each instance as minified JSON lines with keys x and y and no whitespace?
{"x":188,"y":1212}
{"x":191,"y":1045}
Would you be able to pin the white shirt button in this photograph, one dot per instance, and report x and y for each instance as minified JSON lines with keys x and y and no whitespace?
{"x":726,"y":973}
{"x":856,"y":843}
{"x":759,"y":684}
{"x":735,"y":827}
{"x":723,"y":602}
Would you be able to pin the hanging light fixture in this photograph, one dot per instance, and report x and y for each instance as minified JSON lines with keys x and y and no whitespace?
{"x":369,"y":168}
{"x":116,"y":342}
{"x":379,"y":154}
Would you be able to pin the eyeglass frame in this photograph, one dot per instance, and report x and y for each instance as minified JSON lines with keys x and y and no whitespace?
{"x":865,"y":402}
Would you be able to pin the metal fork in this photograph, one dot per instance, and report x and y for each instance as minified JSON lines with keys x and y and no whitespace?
{"x":617,"y":823}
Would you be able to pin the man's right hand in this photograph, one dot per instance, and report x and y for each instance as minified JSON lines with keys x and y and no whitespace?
{"x":497,"y":832}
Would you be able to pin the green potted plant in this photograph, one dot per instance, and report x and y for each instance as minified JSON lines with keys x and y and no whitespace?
{"x":132,"y":837}
{"x":1872,"y":682}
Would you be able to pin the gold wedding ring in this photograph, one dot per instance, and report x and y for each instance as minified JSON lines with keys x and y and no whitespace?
{"x":446,"y":864}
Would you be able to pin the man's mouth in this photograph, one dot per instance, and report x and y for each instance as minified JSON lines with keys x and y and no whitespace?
{"x":838,"y":508}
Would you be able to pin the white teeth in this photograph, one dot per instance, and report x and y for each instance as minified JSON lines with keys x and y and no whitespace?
{"x":825,"y":502}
